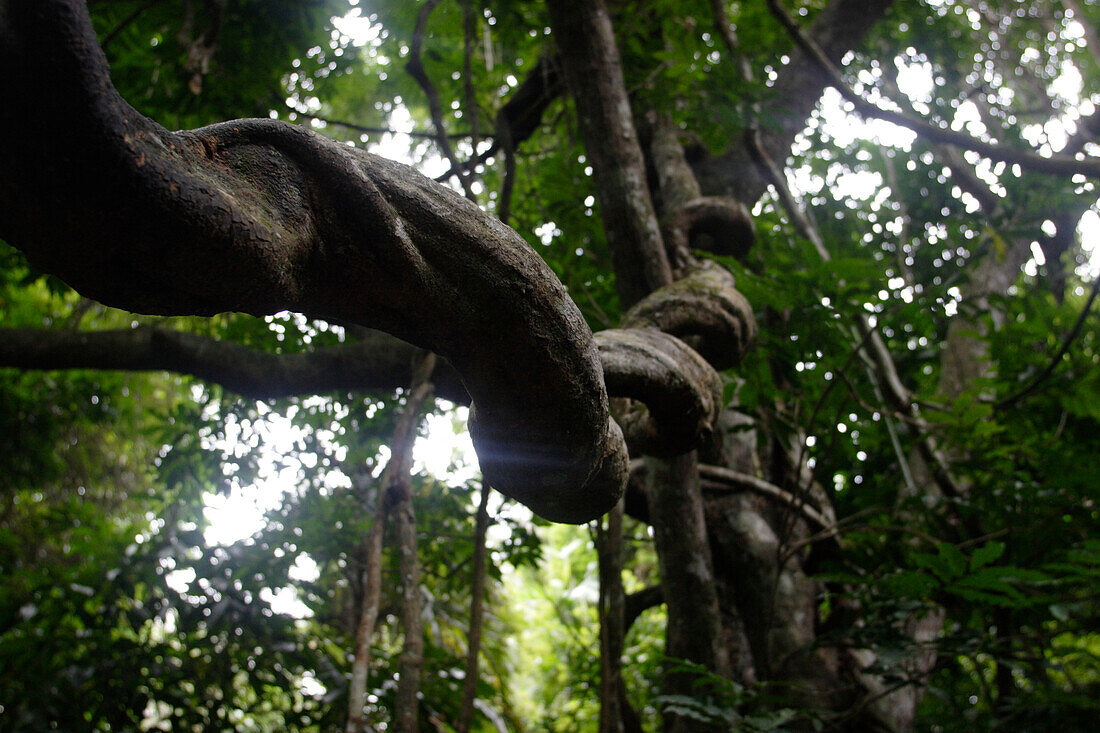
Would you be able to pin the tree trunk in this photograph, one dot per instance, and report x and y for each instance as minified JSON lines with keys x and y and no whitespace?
{"x":394,"y":499}
{"x":477,"y":599}
{"x":397,"y":489}
{"x":406,"y":704}
{"x":593,"y":72}
{"x":694,"y":632}
{"x":372,"y":594}
{"x":609,"y":552}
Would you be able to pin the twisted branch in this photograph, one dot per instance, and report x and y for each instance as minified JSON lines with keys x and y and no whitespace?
{"x":261,"y":216}
{"x":704,"y":310}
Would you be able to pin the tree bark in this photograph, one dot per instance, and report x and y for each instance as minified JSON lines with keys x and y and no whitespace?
{"x":394,"y":499}
{"x":694,"y":632}
{"x":477,"y":600}
{"x":582,"y":31}
{"x":260,"y":216}
{"x":609,"y":552}
{"x":397,"y":490}
{"x":364,"y":632}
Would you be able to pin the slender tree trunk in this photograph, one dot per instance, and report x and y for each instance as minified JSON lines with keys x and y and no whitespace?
{"x":609,"y":549}
{"x":394,"y":499}
{"x":397,"y":489}
{"x":372,"y":593}
{"x":477,"y":598}
{"x":406,"y":707}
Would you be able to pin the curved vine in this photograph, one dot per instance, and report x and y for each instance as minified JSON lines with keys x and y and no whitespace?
{"x":260,"y":216}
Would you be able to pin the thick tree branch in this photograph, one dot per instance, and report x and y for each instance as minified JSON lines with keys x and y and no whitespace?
{"x":261,"y":216}
{"x":378,"y":362}
{"x":525,"y":108}
{"x":681,"y":390}
{"x":689,"y":219}
{"x":694,"y":630}
{"x":521,"y":115}
{"x":638,"y":602}
{"x":705,"y":310}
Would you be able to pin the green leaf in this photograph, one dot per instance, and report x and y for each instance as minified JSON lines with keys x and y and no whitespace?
{"x":986,"y":554}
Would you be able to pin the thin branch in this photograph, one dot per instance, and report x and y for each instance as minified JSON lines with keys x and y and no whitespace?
{"x":832,"y":532}
{"x":891,"y":430}
{"x":394,"y":499}
{"x":415,"y":67}
{"x":736,"y":480}
{"x":397,"y":488}
{"x":903,"y":215}
{"x":599,"y":312}
{"x":1055,"y":165}
{"x":469,"y":32}
{"x":508,"y":183}
{"x":609,"y":552}
{"x":640,"y":601}
{"x":1057,"y":358}
{"x":854,"y":711}
{"x":462,"y":168}
{"x":728,"y":35}
{"x":774,"y":175}
{"x":506,"y":142}
{"x":380,"y":130}
{"x":125,"y":23}
{"x":820,"y":403}
{"x":371,"y":580}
